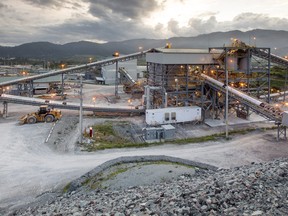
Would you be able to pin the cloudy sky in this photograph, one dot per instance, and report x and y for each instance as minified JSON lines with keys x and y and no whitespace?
{"x":62,"y":21}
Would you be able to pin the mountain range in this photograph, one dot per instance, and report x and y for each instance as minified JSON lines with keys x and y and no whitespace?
{"x":276,"y":40}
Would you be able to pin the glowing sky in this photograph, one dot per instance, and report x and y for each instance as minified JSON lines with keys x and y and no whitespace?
{"x":62,"y":21}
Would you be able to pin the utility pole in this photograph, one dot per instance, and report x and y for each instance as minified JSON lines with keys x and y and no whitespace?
{"x":81,"y":111}
{"x":116,"y":80}
{"x":226,"y":99}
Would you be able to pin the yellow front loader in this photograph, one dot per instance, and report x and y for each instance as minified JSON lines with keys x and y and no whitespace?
{"x":44,"y":114}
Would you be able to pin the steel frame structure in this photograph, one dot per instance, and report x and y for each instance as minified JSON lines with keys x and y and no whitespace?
{"x":179,"y":84}
{"x":253,"y":78}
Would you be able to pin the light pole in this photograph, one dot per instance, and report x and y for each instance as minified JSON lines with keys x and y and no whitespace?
{"x":130,"y":103}
{"x":254,"y":38}
{"x":81,"y":111}
{"x":226,"y":99}
{"x":140,"y":48}
{"x":116,"y":54}
{"x":176,"y":82}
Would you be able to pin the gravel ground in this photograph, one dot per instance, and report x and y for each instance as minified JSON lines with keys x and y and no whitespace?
{"x":257,"y":189}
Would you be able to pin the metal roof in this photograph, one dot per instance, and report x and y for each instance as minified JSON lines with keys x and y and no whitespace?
{"x":56,"y":78}
{"x":183,"y":51}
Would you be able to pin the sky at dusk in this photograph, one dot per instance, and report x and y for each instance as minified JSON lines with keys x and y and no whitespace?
{"x":63,"y":21}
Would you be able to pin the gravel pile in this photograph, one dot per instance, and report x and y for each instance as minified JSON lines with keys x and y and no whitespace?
{"x":258,"y":189}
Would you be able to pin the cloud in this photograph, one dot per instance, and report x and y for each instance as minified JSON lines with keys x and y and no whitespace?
{"x":133,"y":9}
{"x":253,"y":20}
{"x":113,"y":25}
{"x":243,"y":22}
{"x":2,"y":6}
{"x":194,"y":27}
{"x":71,"y":31}
{"x":47,"y":3}
{"x":65,"y":21}
{"x":203,"y":26}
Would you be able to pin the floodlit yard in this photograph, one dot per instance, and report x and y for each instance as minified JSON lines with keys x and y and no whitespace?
{"x":29,"y":166}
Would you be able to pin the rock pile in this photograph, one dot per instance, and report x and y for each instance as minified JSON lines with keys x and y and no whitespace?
{"x":258,"y":189}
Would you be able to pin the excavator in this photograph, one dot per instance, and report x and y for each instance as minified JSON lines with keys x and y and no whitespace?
{"x":44,"y":114}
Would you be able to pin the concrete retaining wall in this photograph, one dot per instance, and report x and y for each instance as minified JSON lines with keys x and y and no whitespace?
{"x":75,"y":184}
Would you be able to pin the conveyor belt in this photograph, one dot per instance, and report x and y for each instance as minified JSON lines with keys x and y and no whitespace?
{"x":75,"y":68}
{"x":260,"y":107}
{"x":127,"y":75}
{"x":273,"y":58}
{"x":68,"y":105}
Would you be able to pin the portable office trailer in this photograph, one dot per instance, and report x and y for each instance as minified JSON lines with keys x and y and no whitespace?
{"x":173,"y":115}
{"x":285,"y":118}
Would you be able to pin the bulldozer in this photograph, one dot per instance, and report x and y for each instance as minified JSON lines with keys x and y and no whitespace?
{"x":44,"y":114}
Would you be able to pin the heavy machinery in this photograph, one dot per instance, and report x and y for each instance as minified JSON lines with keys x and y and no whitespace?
{"x":44,"y":114}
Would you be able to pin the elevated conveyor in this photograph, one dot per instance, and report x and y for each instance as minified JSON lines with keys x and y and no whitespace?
{"x":127,"y":76}
{"x":66,"y":105}
{"x":261,"y":53}
{"x":129,"y":85}
{"x":75,"y":68}
{"x":264,"y":109}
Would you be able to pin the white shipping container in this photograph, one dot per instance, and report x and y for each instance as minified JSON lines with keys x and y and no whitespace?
{"x":285,"y":118}
{"x":172,"y":115}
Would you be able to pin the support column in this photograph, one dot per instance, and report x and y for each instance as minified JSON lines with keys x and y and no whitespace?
{"x":19,"y":89}
{"x":285,"y":89}
{"x":187,"y":83}
{"x":203,"y":111}
{"x":214,"y":102}
{"x":281,"y":130}
{"x":62,"y":86}
{"x":226,"y":99}
{"x":269,"y":66}
{"x":31,"y":88}
{"x":81,"y":111}
{"x":116,"y":80}
{"x":5,"y":109}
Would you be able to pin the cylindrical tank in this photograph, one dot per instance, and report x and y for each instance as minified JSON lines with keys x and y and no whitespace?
{"x":232,"y":63}
{"x":243,"y":64}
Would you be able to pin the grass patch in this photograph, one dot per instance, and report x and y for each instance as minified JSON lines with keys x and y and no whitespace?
{"x":66,"y":188}
{"x":166,"y":163}
{"x":117,"y":172}
{"x":106,"y":138}
{"x":95,"y":182}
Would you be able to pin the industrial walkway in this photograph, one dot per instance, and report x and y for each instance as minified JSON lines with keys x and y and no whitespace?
{"x":262,"y":108}
{"x":74,"y":69}
{"x":273,"y":58}
{"x":66,"y":105}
